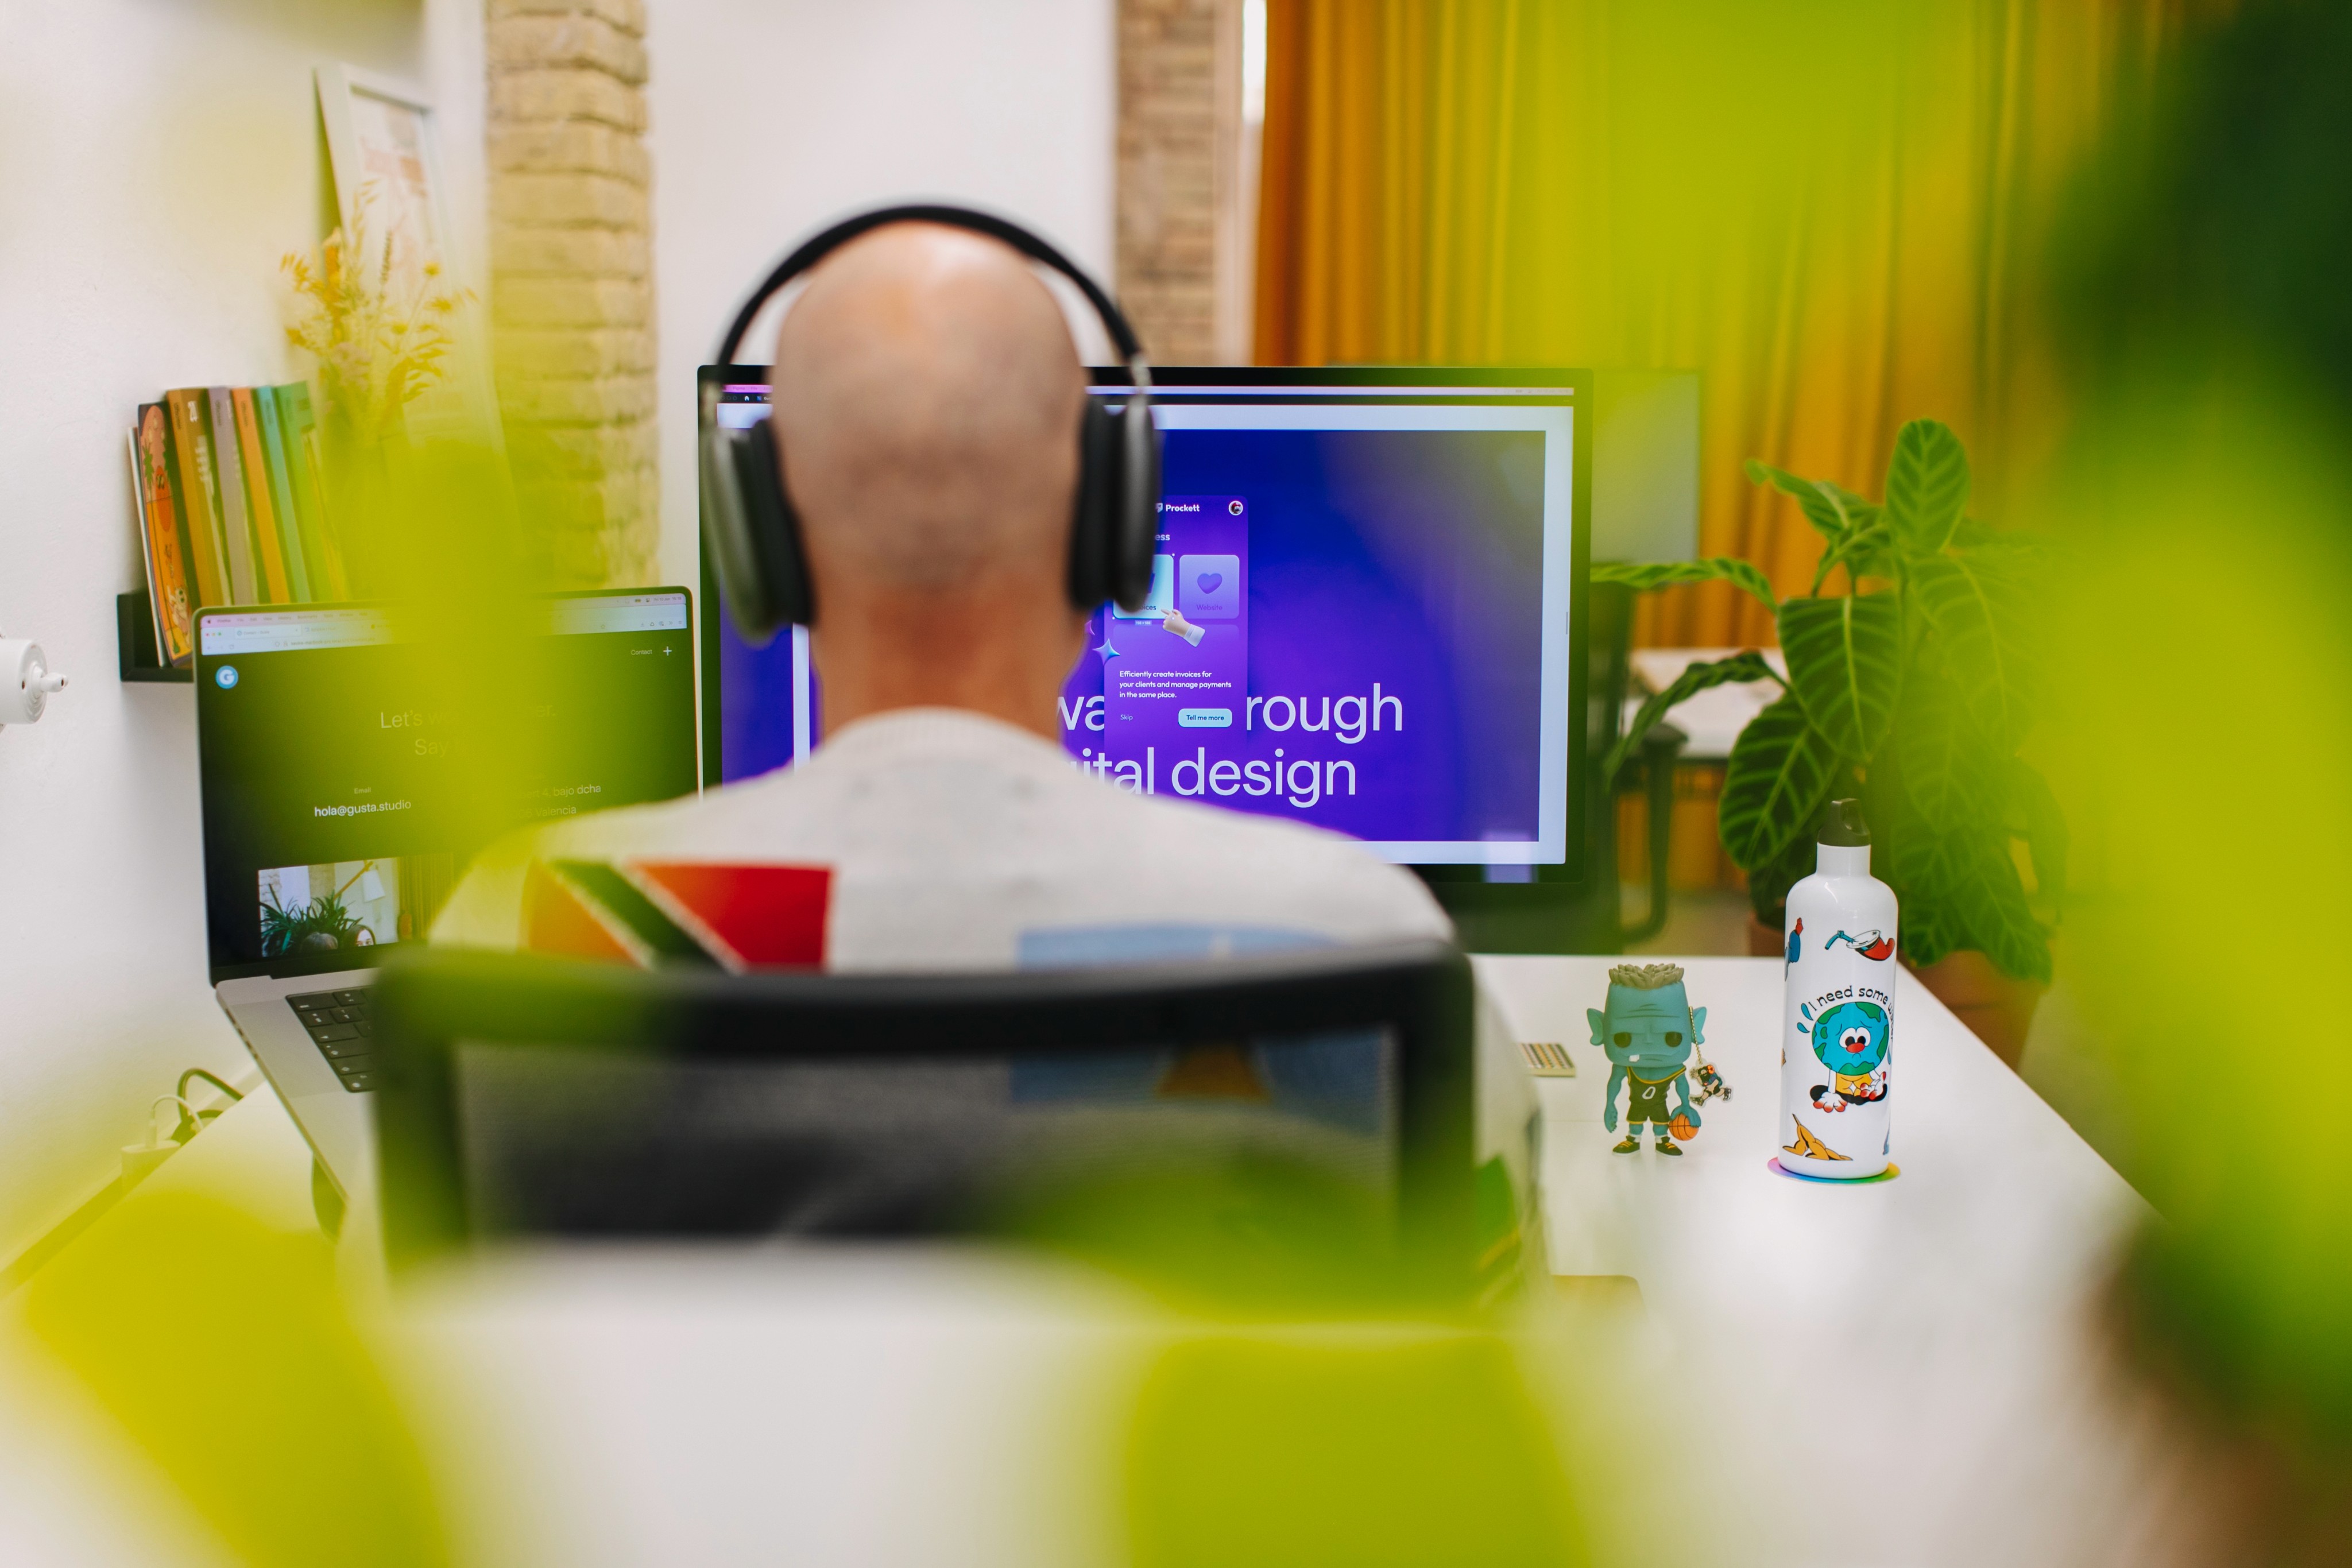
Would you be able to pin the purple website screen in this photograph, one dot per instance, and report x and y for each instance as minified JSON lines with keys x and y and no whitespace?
{"x":1358,"y":618}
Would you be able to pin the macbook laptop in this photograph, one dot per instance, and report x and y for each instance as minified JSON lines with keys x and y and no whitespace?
{"x":349,"y":774}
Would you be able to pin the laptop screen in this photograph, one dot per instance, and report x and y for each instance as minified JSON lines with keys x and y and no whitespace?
{"x":349,"y":774}
{"x":1364,"y":614}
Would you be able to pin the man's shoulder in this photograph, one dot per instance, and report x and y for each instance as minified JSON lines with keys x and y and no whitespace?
{"x":487,"y":908}
{"x":969,"y":852}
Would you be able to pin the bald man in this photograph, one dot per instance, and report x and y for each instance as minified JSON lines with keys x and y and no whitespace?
{"x":927,"y":397}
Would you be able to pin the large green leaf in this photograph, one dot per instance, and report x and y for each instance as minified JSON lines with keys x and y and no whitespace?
{"x":1980,"y":604}
{"x":1828,"y":507}
{"x":1694,"y":679}
{"x":1855,"y":530}
{"x":1867,"y":552}
{"x":1845,"y":661}
{"x":1960,"y":891}
{"x":1779,"y":775}
{"x":1769,"y":884}
{"x":1926,"y":486}
{"x":1947,"y":770}
{"x":1647,"y":574}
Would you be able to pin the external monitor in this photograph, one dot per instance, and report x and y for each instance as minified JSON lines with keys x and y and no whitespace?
{"x":337,"y":811}
{"x":1366,"y":615}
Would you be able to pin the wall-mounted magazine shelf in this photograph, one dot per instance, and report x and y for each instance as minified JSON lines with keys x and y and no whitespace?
{"x":134,"y":639}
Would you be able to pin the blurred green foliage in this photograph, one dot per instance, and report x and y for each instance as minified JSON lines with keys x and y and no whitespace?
{"x":1397,"y":1446}
{"x":223,"y":1350}
{"x":2208,"y":490}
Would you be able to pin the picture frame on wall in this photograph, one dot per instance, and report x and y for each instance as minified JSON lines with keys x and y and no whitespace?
{"x":386,"y":164}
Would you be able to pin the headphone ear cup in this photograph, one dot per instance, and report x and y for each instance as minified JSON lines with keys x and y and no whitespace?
{"x":774,"y":526}
{"x":727,"y":535}
{"x":1135,"y":523}
{"x":1095,"y":509}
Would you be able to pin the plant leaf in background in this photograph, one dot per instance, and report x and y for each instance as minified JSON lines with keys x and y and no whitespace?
{"x":1867,"y":552}
{"x":1694,"y":679}
{"x":1769,"y":884}
{"x":1969,"y":880}
{"x":1979,"y":606}
{"x":1926,"y":486}
{"x":1773,"y":788}
{"x":1944,"y":766}
{"x":1916,"y":693}
{"x":1853,"y":529}
{"x":1829,"y":508}
{"x":1845,"y":661}
{"x":1641,"y":575}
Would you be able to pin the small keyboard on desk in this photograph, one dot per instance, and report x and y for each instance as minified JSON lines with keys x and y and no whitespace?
{"x":344,"y":1028}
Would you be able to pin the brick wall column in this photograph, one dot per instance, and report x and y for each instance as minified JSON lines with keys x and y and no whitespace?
{"x":1169,"y":175}
{"x":572,"y":280}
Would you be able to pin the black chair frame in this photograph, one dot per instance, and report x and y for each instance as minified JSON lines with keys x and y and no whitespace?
{"x":427,"y":1003}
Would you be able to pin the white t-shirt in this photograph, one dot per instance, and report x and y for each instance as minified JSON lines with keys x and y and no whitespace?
{"x":936,"y":838}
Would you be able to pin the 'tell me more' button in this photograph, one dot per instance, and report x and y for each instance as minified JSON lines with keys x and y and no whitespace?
{"x":1205,"y":718}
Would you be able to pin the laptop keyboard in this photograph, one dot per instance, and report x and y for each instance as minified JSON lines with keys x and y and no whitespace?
{"x":344,"y":1026}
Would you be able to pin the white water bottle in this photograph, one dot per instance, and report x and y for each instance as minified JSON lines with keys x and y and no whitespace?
{"x":1837,"y":1043}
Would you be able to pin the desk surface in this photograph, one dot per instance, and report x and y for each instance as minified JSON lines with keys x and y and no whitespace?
{"x":1938,"y":1322}
{"x":928,"y":1404}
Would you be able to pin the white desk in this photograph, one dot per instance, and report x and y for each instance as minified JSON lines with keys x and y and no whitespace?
{"x":1927,"y":1335}
{"x":1896,"y":1373}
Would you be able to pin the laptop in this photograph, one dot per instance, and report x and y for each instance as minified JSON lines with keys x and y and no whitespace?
{"x":352,"y":761}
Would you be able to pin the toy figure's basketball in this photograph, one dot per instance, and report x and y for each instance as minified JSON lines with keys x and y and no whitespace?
{"x":1683,"y":1130}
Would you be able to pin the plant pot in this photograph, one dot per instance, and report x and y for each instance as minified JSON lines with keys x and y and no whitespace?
{"x":1998,"y":1011}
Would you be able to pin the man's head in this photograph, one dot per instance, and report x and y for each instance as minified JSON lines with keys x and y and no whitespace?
{"x":927,"y":400}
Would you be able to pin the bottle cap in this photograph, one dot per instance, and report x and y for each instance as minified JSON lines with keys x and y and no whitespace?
{"x":1842,"y":825}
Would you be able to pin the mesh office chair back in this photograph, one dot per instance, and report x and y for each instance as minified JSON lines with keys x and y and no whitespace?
{"x":524,"y":1097}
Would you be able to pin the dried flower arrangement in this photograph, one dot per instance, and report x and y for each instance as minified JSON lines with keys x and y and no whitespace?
{"x":377,"y":321}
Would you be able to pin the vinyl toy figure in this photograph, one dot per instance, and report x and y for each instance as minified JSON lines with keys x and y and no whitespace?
{"x":1651,"y":1033}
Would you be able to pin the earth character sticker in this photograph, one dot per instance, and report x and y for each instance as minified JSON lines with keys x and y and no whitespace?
{"x":1851,"y":1039}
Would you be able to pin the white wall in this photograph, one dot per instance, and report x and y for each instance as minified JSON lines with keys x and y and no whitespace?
{"x":769,"y":117}
{"x":156,"y":158}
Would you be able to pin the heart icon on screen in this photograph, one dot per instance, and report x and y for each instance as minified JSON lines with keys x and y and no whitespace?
{"x":1211,"y":581}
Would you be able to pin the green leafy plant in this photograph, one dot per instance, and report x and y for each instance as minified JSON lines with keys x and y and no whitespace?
{"x":1913,"y":689}
{"x":284,"y":930}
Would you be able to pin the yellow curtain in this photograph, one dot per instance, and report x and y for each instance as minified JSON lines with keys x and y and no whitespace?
{"x":1828,"y":207}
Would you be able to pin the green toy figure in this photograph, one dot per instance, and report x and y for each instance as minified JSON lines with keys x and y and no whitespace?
{"x":1651,"y":1032}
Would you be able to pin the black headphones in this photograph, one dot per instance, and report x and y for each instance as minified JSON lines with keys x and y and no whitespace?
{"x":754,"y":535}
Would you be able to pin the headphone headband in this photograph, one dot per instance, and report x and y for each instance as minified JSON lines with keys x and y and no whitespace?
{"x":751,"y":527}
{"x":815,"y":248}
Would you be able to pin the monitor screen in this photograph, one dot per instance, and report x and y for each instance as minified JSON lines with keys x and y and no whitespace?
{"x":337,"y":812}
{"x":1363,"y":614}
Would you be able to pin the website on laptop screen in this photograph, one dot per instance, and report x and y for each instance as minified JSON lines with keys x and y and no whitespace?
{"x":1360,"y":617}
{"x":343,"y":777}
